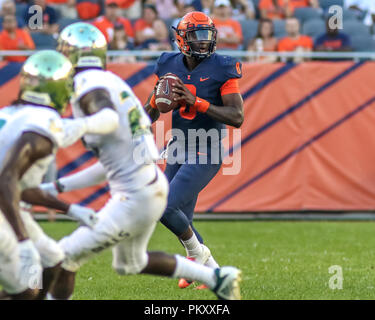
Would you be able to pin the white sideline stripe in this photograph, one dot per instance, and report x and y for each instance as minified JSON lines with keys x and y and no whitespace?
{"x":295,"y":216}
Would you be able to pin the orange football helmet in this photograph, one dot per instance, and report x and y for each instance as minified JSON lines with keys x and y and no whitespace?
{"x":193,"y":29}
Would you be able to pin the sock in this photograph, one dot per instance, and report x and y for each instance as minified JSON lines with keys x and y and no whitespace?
{"x":51,"y":297}
{"x":212,"y":263}
{"x":192,"y":246}
{"x":193,"y":271}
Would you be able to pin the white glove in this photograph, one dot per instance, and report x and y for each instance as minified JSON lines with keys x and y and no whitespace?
{"x":50,"y":188}
{"x":30,"y":264}
{"x":85,"y":215}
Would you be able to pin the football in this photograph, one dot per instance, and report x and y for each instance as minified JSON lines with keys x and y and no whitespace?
{"x":164,"y":95}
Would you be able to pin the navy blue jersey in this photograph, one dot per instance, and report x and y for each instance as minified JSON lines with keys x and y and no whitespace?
{"x":204,"y":81}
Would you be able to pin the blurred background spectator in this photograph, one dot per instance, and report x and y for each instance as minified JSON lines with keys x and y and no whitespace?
{"x":150,"y":31}
{"x":14,"y":38}
{"x":167,"y":9}
{"x":265,"y":40}
{"x":65,"y":8}
{"x":229,"y":31}
{"x":205,"y":6}
{"x":50,"y":18}
{"x":303,"y":4}
{"x":294,"y":41}
{"x":241,"y":24}
{"x":243,"y":9}
{"x":275,"y":9}
{"x":185,"y":8}
{"x":86,"y":9}
{"x":111,"y":17}
{"x":9,"y":8}
{"x":121,"y":41}
{"x":332,"y":40}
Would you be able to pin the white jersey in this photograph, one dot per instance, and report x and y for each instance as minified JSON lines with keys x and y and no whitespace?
{"x":129,"y":153}
{"x":14,"y":121}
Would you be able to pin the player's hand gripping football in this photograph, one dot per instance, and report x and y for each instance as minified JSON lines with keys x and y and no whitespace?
{"x":162,"y":77}
{"x":184,"y":96}
{"x":85,"y":215}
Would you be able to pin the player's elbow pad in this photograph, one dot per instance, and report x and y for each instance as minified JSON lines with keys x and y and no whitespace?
{"x":103,"y":122}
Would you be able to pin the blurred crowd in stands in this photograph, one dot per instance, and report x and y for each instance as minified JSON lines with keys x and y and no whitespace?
{"x":253,"y":25}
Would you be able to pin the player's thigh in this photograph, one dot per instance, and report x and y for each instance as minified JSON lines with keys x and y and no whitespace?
{"x":123,"y":217}
{"x":50,"y":252}
{"x":189,"y":181}
{"x":130,"y":255}
{"x":171,"y":170}
{"x":84,"y":242}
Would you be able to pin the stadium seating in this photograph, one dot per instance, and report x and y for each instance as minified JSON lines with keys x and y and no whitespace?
{"x":325,"y":4}
{"x":249,"y":30}
{"x":305,"y":14}
{"x":64,"y":22}
{"x":44,"y":41}
{"x":279,"y":27}
{"x":314,"y":28}
{"x":354,"y":28}
{"x":363,"y":43}
{"x":20,"y":9}
{"x":347,"y":15}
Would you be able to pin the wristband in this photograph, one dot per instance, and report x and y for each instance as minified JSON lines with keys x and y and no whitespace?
{"x":152,"y":102}
{"x":201,"y":105}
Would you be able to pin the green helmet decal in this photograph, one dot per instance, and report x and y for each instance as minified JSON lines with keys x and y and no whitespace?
{"x":84,"y":45}
{"x":47,"y":79}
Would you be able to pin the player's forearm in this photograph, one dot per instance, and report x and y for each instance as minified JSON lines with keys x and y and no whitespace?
{"x":88,"y":177}
{"x":9,"y":205}
{"x":154,"y":114}
{"x":38,"y":197}
{"x":231,"y":116}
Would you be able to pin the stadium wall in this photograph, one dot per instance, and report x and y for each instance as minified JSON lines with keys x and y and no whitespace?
{"x":307,"y":142}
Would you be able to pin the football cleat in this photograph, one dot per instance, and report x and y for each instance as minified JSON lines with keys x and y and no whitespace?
{"x":201,"y":287}
{"x":183,"y":283}
{"x":227,"y":285}
{"x":206,"y":254}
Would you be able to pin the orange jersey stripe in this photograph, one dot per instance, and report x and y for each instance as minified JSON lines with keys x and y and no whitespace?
{"x":231,"y":86}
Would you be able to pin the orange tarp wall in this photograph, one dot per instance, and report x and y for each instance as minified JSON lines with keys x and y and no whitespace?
{"x":307,"y":142}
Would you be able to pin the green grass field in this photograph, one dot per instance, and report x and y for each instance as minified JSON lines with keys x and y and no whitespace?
{"x":279,"y":260}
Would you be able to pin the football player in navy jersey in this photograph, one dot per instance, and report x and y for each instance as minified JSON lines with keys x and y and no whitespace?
{"x":208,"y":98}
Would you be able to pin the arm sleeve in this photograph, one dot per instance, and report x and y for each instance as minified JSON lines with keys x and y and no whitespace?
{"x":231,"y":86}
{"x":88,"y":177}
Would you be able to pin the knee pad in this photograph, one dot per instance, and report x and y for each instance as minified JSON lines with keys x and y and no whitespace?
{"x":132,"y":267}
